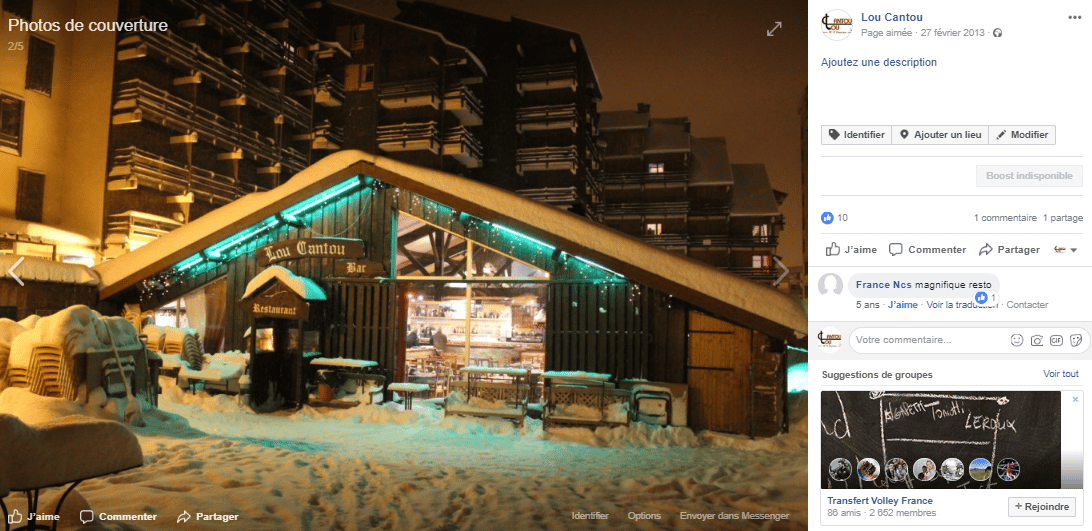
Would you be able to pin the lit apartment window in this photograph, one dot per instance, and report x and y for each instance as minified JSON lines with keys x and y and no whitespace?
{"x":40,"y":65}
{"x":655,"y":167}
{"x":761,"y":233}
{"x":20,"y":8}
{"x":760,"y":261}
{"x":654,"y":229}
{"x":30,"y":195}
{"x":11,"y":124}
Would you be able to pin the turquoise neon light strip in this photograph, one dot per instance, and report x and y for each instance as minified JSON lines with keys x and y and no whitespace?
{"x":524,"y":236}
{"x":218,"y":249}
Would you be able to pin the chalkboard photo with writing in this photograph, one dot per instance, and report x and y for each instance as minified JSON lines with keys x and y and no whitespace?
{"x":941,"y":439}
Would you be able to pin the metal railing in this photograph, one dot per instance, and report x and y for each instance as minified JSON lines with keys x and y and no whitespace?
{"x":141,"y":101}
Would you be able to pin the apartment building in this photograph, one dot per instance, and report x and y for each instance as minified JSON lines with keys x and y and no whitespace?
{"x":682,"y":193}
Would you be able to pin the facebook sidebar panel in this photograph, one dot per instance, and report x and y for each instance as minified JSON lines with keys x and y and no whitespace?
{"x":948,"y":263}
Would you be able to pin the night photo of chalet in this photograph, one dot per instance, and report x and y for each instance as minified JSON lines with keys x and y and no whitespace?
{"x":335,"y":265}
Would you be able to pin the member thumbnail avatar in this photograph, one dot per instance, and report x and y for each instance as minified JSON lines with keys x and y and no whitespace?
{"x":840,"y":469}
{"x":1008,"y":469}
{"x":951,"y":469}
{"x":868,"y":469}
{"x":897,"y":470}
{"x":980,"y":469}
{"x":925,"y":469}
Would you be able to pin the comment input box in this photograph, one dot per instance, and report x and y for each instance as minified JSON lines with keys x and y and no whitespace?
{"x":1015,"y":340}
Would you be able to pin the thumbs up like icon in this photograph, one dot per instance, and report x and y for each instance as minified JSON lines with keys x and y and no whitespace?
{"x":834,"y":250}
{"x":15,"y":517}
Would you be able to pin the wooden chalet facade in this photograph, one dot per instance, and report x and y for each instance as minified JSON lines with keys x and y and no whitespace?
{"x":613,"y":304}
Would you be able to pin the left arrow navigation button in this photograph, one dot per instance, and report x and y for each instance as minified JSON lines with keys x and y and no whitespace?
{"x":11,"y":271}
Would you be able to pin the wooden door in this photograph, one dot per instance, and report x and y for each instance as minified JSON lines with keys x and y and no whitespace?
{"x":718,"y":375}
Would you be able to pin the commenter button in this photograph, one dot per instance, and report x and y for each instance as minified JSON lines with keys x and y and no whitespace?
{"x":1042,"y":507}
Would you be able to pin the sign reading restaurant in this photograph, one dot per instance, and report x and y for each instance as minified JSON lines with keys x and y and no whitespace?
{"x":310,"y":248}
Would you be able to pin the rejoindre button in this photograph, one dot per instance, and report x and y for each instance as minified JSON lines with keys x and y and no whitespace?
{"x":1042,"y":507}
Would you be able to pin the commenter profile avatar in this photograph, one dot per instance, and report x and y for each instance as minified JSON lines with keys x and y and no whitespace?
{"x":830,"y":339}
{"x":837,"y":24}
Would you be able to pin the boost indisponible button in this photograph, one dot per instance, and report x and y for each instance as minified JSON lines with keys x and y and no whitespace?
{"x":1042,"y":507}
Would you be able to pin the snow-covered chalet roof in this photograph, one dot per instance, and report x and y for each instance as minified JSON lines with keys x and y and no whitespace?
{"x":302,"y":286}
{"x":729,"y":296}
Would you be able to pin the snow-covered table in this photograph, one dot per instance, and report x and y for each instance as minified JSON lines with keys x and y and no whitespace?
{"x":60,"y":451}
{"x":477,"y":397}
{"x":409,"y":389}
{"x":583,"y":398}
{"x":334,"y":371}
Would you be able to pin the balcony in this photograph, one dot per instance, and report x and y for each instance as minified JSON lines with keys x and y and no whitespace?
{"x":407,"y":95}
{"x":668,"y":241}
{"x":256,"y":41}
{"x":203,"y":68}
{"x":133,"y":229}
{"x":640,"y":179}
{"x":710,"y":210}
{"x":133,"y":168}
{"x":763,"y":274}
{"x":549,"y":77}
{"x":461,"y":102}
{"x":138,"y":101}
{"x":546,"y":118}
{"x":408,"y":137}
{"x":675,"y":209}
{"x":324,"y":136}
{"x":461,"y":145}
{"x":327,"y":92}
{"x":752,"y":241}
{"x":552,"y":196}
{"x":547,"y":159}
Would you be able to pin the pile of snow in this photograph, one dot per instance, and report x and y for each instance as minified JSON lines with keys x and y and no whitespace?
{"x":74,"y":329}
{"x":37,"y":409}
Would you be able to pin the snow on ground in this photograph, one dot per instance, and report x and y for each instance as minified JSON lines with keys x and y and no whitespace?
{"x":385,"y":468}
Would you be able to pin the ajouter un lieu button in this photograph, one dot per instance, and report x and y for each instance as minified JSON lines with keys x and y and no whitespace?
{"x":1042,"y":507}
{"x":1046,"y":175}
{"x":834,"y":135}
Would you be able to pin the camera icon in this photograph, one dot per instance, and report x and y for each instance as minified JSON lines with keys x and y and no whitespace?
{"x":1036,"y":341}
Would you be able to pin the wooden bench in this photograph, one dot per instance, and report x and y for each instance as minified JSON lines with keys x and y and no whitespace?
{"x":583,"y":399}
{"x":408,"y":389}
{"x":507,"y":400}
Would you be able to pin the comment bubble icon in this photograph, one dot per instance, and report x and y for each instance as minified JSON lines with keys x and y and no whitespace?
{"x":87,"y":516}
{"x":894,"y":249}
